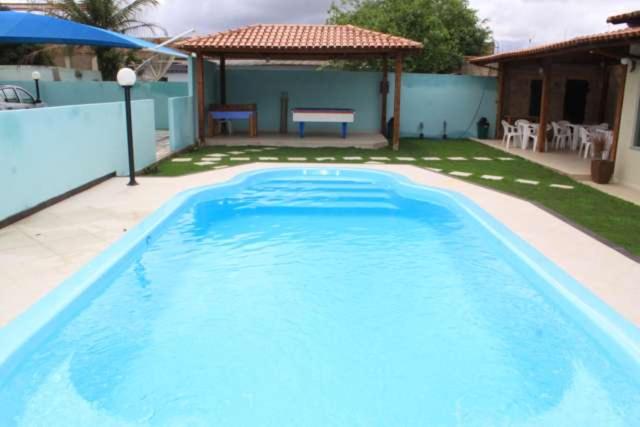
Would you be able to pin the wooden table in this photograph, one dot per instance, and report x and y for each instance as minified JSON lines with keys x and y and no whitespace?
{"x":220,"y":112}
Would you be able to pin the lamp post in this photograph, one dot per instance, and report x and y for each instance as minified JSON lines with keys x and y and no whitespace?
{"x":36,"y":78}
{"x":127,"y":78}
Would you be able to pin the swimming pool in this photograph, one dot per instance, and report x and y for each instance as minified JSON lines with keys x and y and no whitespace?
{"x":319,"y":296}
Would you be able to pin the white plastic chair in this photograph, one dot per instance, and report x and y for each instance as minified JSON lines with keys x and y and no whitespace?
{"x":586,"y":143}
{"x":510,"y":133}
{"x":522,"y":127}
{"x":561,"y":135}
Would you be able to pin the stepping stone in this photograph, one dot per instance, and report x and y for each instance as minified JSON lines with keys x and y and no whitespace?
{"x":429,"y":159}
{"x":406,"y":159}
{"x":203,"y":163}
{"x":253,"y":150}
{"x":181,"y":159}
{"x":506,"y":158}
{"x":352,"y":158}
{"x":216,"y":155}
{"x":239,"y":159}
{"x":269,"y":159}
{"x":565,"y":187}
{"x":434,"y":169}
{"x":270,"y":148}
{"x":492,"y":177}
{"x":324,"y":159}
{"x":483,"y":158}
{"x":457,"y":158}
{"x":373,"y":162}
{"x":380,"y":158}
{"x":527,"y":181}
{"x":296,"y":159}
{"x":235,"y":153}
{"x":220,"y":167}
{"x":456,"y":173}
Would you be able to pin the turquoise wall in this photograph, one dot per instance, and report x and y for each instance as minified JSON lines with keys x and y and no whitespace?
{"x":434,"y":98}
{"x":181,"y":122}
{"x":427,"y":98}
{"x":47,"y":152}
{"x":74,"y":93}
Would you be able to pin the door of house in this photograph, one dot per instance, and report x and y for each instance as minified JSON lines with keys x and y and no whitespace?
{"x":575,"y":100}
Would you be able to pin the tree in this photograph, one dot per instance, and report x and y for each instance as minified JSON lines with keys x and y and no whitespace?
{"x":18,"y":54}
{"x":116,"y":15}
{"x":448,"y":29}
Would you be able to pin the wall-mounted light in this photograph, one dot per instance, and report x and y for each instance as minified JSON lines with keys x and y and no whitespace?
{"x":127,"y":78}
{"x":627,"y":62}
{"x":36,"y":78}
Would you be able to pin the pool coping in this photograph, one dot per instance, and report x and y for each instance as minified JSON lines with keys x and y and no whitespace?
{"x":26,"y":330}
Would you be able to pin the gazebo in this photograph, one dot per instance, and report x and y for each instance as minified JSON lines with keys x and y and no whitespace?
{"x":302,"y":42}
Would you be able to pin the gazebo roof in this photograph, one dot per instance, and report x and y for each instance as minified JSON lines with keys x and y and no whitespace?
{"x":287,"y":41}
{"x":631,"y":18}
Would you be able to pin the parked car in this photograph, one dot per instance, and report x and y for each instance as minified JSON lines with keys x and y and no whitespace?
{"x":17,"y":98}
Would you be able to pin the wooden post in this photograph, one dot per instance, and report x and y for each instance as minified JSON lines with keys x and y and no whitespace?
{"x":500,"y":98}
{"x":223,"y":80}
{"x":604,"y":94}
{"x":396,"y":103}
{"x":618,"y":117}
{"x":384,"y":91}
{"x":544,"y":106}
{"x":200,"y":96}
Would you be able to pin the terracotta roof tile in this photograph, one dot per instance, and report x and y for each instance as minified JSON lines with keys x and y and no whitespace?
{"x":623,"y":35}
{"x":624,"y":17}
{"x":305,"y":38}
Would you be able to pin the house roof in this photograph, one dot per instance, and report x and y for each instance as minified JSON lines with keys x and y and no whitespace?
{"x":592,"y":41}
{"x":292,"y":40}
{"x":629,"y":17}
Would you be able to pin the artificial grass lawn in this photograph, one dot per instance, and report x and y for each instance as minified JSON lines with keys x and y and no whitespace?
{"x":609,"y":217}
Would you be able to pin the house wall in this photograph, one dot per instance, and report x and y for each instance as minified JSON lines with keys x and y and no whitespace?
{"x":627,"y":170}
{"x":427,"y":98}
{"x":47,"y":152}
{"x":518,"y":90}
{"x":181,"y":124}
{"x":80,"y":92}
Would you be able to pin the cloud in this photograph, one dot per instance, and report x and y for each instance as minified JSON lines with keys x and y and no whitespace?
{"x":515,"y":23}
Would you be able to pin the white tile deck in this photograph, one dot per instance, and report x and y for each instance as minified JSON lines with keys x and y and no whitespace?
{"x":37,"y":253}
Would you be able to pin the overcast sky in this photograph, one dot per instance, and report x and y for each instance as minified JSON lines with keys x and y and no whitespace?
{"x":515,"y":23}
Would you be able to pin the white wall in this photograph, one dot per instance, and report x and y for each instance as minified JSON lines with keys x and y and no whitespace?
{"x":628,"y":156}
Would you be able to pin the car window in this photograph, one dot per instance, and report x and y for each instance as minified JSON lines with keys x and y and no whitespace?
{"x":25,"y":98}
{"x":10,"y":95}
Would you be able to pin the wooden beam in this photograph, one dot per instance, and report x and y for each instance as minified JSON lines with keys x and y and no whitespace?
{"x":544,"y":106}
{"x":500,"y":99}
{"x":604,"y":94}
{"x":223,"y":80}
{"x":200,"y":97}
{"x":384,"y":91}
{"x":618,"y":116}
{"x":396,"y":103}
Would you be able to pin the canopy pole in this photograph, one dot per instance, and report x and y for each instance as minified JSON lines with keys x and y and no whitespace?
{"x":544,"y":106}
{"x":384,"y":91}
{"x":396,"y":103}
{"x":502,"y":78}
{"x":200,"y":96}
{"x":223,"y":80}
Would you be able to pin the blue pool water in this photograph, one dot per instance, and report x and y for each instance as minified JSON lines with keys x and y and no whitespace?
{"x":318,"y":298}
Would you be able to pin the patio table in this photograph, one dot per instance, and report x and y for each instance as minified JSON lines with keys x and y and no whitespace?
{"x":235,"y":112}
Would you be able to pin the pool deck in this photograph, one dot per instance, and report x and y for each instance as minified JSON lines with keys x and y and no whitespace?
{"x":40,"y":251}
